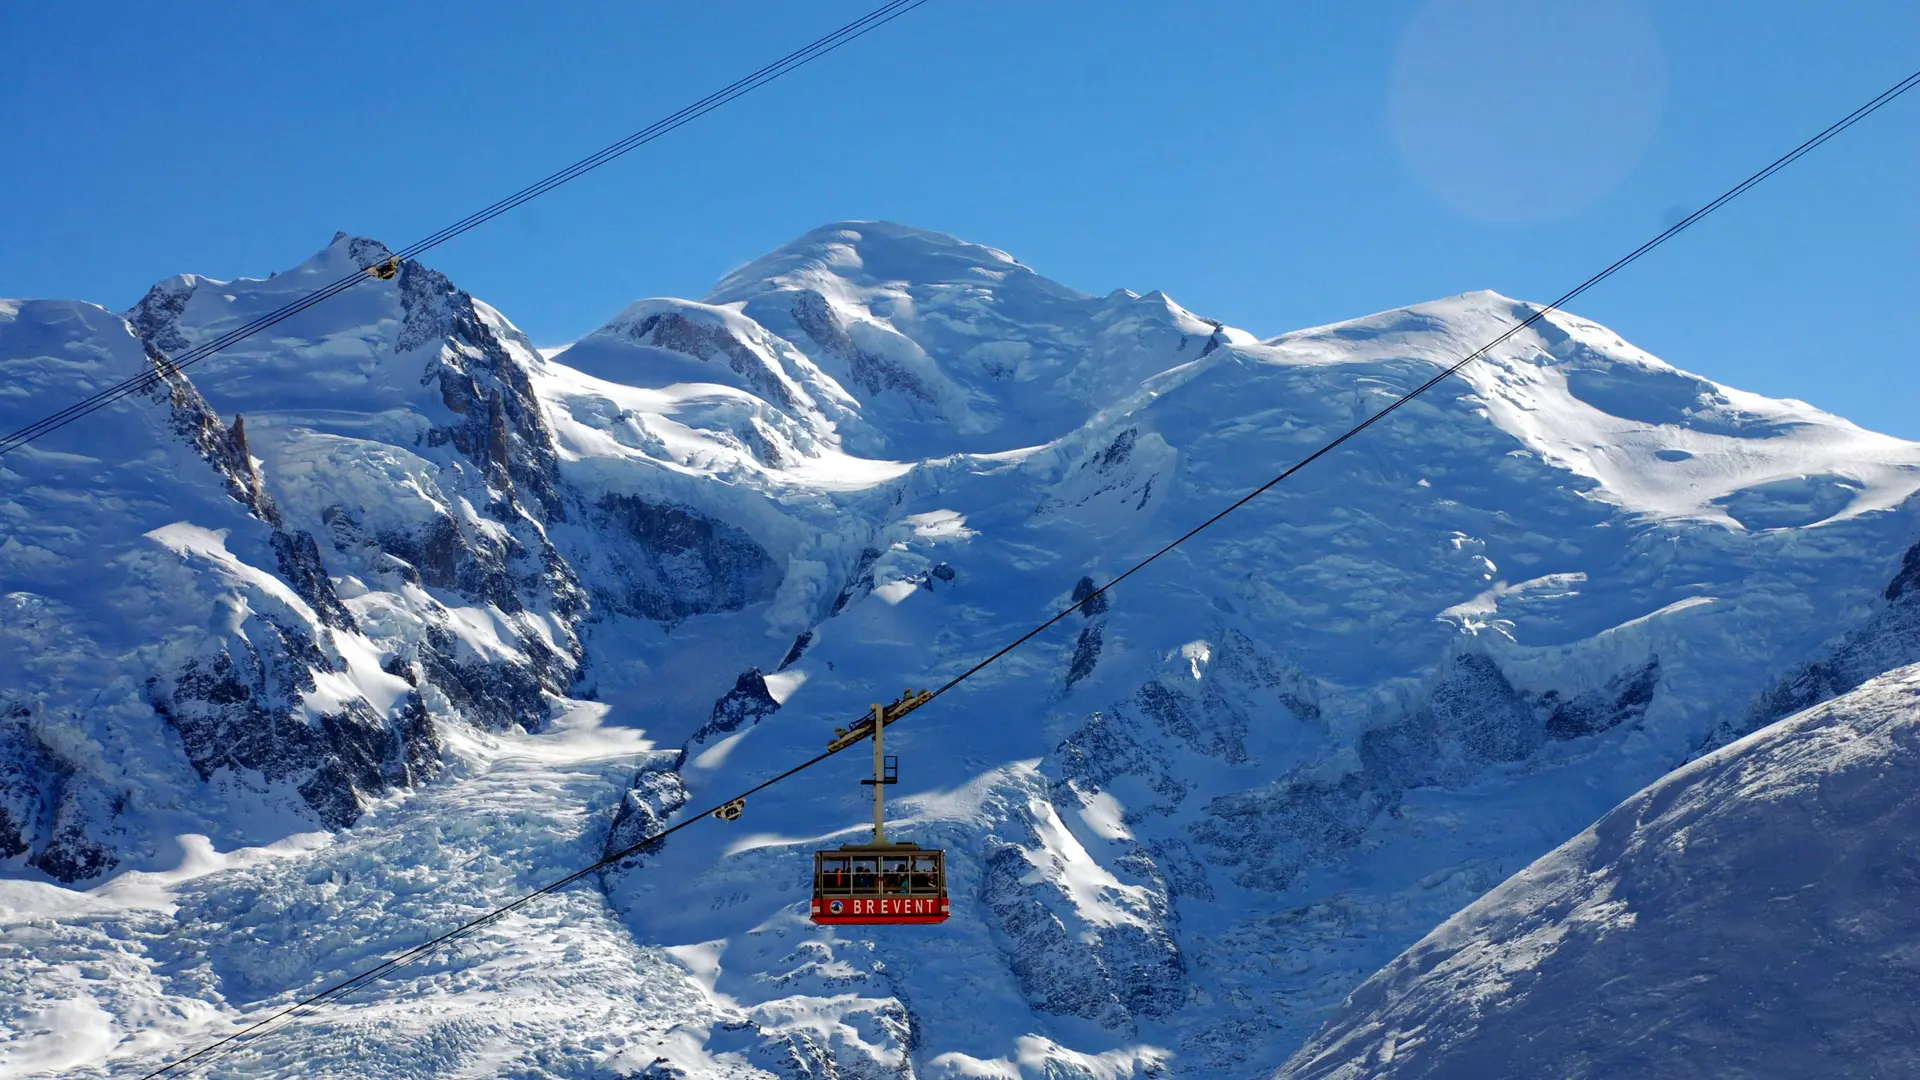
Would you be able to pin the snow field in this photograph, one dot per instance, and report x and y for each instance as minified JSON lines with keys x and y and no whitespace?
{"x":1181,"y":826}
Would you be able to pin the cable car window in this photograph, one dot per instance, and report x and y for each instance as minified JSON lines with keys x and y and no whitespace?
{"x":865,"y":872}
{"x":926,"y":874}
{"x":833,"y":875}
{"x":894,"y":876}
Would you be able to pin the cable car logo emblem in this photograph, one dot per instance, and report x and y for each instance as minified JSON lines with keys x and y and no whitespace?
{"x":837,"y":907}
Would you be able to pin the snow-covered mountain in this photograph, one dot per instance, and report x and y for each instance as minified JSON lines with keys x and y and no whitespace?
{"x":1749,"y":915}
{"x":383,"y":616}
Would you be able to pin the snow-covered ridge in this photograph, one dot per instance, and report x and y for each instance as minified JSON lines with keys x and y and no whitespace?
{"x":1655,"y":439}
{"x":392,"y":536}
{"x":1750,"y":914}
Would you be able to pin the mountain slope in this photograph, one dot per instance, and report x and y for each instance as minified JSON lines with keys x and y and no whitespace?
{"x":1181,"y":827}
{"x":1748,"y":915}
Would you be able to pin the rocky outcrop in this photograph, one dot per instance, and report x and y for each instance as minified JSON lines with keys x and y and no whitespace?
{"x":859,"y":582}
{"x":156,"y":318}
{"x":497,"y":422}
{"x":1086,"y":647}
{"x":241,"y":708}
{"x":714,"y":344}
{"x":54,"y":817}
{"x":1107,"y":746}
{"x":658,"y":560}
{"x":649,"y":804}
{"x":23,"y":775}
{"x":872,"y":373}
{"x":1115,"y":966}
{"x":1890,"y":639}
{"x":748,"y":703}
{"x":1472,"y":718}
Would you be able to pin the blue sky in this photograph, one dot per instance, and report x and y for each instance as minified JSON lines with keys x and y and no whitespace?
{"x":1275,"y":165}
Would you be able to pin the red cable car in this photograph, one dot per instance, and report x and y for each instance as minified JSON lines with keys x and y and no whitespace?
{"x":879,"y":883}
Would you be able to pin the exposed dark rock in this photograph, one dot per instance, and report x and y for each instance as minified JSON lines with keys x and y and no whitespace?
{"x":157,"y":316}
{"x":493,"y":695}
{"x":668,"y":562}
{"x":1055,"y":972}
{"x":1086,"y":647}
{"x":1112,"y":973}
{"x":671,"y":330}
{"x":1086,"y":654}
{"x":363,"y":251}
{"x":872,"y":373}
{"x":1473,"y":718}
{"x":498,"y":422}
{"x":13,"y":831}
{"x":1249,"y":666}
{"x":1115,"y":469}
{"x":24,"y":774}
{"x":859,"y":583}
{"x":747,"y":703}
{"x":1117,"y":452}
{"x":53,"y":817}
{"x":473,"y":563}
{"x":657,"y":790}
{"x":1214,"y":340}
{"x":1185,"y":874}
{"x":298,"y":558}
{"x":1890,"y":639}
{"x":1274,"y":835}
{"x":1624,"y":698}
{"x":238,"y":705}
{"x":225,"y":448}
{"x":1148,"y":968}
{"x":398,"y":665}
{"x":652,"y":798}
{"x":1908,"y":579}
{"x":246,"y":714}
{"x":241,"y":708}
{"x":1095,"y":602}
{"x":1104,"y":747}
{"x":1214,"y":733}
{"x":84,"y":827}
{"x":797,"y":650}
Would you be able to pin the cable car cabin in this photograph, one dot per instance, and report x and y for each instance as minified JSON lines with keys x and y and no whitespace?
{"x":870,"y":884}
{"x":880,"y":882}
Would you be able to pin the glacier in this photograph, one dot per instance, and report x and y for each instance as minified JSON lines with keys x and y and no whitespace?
{"x":385,"y":616}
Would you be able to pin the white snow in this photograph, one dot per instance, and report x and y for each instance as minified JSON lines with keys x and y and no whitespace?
{"x":930,"y":457}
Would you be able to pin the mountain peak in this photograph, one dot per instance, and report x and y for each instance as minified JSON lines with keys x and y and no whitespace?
{"x":875,"y":254}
